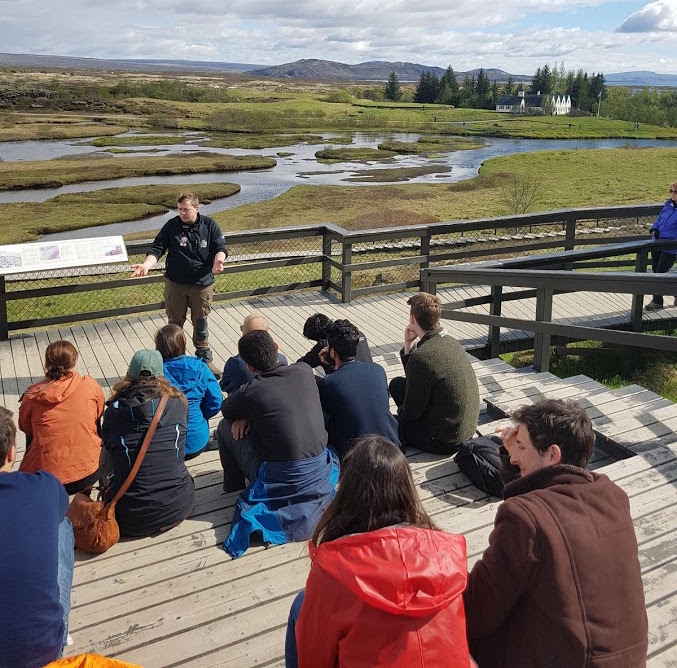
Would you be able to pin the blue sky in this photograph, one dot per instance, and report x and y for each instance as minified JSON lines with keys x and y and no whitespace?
{"x":513,"y":35}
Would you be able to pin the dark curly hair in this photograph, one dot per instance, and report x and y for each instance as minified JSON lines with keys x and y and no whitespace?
{"x":343,"y":337}
{"x":258,"y":349}
{"x":315,"y":328}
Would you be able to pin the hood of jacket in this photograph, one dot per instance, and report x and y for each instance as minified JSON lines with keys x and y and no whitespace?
{"x":401,"y":570}
{"x":54,"y":392}
{"x":139,"y":403}
{"x":184,"y":371}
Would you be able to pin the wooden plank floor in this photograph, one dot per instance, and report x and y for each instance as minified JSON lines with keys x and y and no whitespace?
{"x":179,"y":600}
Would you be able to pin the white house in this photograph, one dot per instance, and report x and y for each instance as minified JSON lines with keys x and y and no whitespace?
{"x":523,"y":104}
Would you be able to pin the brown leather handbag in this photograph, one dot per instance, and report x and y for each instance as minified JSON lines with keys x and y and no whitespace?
{"x":94,"y":524}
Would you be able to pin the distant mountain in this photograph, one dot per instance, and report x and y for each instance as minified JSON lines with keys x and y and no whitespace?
{"x":376,"y":70}
{"x":650,"y":79}
{"x":126,"y":65}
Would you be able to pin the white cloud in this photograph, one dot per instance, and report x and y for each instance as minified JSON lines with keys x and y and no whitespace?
{"x":655,"y":17}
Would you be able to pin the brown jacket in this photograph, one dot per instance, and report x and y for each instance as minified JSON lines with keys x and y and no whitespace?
{"x":59,"y":419}
{"x":560,"y":584}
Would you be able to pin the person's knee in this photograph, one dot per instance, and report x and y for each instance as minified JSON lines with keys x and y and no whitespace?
{"x":201,"y":329}
{"x":224,"y":437}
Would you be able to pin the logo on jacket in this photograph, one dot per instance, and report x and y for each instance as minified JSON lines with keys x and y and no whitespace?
{"x":183,"y":241}
{"x":203,"y":243}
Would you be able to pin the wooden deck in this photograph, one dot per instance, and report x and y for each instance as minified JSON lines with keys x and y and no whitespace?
{"x":179,"y":600}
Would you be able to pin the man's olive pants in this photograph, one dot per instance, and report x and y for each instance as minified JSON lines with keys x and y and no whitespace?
{"x":178,"y":298}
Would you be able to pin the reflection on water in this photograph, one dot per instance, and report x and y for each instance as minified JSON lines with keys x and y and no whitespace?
{"x":300,"y":167}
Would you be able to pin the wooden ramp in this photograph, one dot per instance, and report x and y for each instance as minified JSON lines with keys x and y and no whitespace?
{"x":179,"y":600}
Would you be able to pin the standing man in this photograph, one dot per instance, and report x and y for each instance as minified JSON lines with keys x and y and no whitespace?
{"x":438,"y":400}
{"x":195,"y":252}
{"x":560,"y":583}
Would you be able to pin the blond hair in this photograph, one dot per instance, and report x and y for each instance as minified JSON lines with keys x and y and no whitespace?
{"x":191,"y":198}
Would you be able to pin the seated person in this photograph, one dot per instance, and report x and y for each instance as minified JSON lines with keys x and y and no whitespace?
{"x":236,"y":373}
{"x":273,"y":434}
{"x":198,"y":384}
{"x":355,"y":396}
{"x":161,"y":494}
{"x":559,"y":584}
{"x":315,"y":329}
{"x":385,"y":586}
{"x":438,"y":401}
{"x":60,"y":417}
{"x":37,"y":556}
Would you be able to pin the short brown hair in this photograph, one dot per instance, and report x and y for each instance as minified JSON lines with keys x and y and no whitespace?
{"x":7,"y":434}
{"x":426,"y":309}
{"x":60,"y":359}
{"x":565,"y":423}
{"x":170,"y":342}
{"x":191,"y":198}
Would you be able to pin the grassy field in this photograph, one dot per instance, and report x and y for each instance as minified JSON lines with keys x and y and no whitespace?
{"x":566,"y":179}
{"x":332,"y":155}
{"x":25,"y":132}
{"x":100,"y":207}
{"x":55,"y":173}
{"x":614,"y":366}
{"x":429,"y":145}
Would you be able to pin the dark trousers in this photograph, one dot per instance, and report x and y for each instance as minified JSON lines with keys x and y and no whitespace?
{"x":291,"y":657}
{"x":661,"y":263}
{"x":199,"y":298}
{"x":79,"y":485}
{"x":239,"y":459}
{"x":414,"y":434}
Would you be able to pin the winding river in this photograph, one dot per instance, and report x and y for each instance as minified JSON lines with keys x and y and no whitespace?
{"x":299,"y":167}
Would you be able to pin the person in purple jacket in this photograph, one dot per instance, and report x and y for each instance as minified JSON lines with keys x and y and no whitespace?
{"x":664,"y":227}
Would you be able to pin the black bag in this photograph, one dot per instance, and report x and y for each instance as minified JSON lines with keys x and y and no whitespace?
{"x":478,"y":458}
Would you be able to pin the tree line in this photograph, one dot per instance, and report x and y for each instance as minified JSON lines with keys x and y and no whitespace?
{"x":585,"y":90}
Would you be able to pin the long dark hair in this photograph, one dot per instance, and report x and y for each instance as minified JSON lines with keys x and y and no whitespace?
{"x":158,"y":386}
{"x":170,"y":341}
{"x":60,"y":359}
{"x":376,"y":490}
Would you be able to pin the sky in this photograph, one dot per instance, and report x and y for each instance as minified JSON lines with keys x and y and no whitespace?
{"x":513,"y":35}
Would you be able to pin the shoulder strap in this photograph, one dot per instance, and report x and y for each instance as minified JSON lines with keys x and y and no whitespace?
{"x":144,"y":448}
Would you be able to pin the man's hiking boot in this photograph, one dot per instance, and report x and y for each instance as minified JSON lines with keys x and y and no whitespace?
{"x":652,"y":306}
{"x":214,"y":369}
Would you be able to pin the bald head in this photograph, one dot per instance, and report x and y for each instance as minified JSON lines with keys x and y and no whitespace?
{"x":254,"y":323}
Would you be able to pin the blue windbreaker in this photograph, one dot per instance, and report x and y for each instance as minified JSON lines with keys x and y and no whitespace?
{"x":192,"y":376}
{"x":666,"y":224}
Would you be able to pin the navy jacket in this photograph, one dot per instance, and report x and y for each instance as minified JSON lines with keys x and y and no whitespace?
{"x":665,"y":226}
{"x":355,"y":402}
{"x":190,"y":249}
{"x":33,"y":506}
{"x":236,"y":373}
{"x":161,"y":494}
{"x":193,"y":377}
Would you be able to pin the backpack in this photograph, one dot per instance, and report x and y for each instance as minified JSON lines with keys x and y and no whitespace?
{"x":479,"y":460}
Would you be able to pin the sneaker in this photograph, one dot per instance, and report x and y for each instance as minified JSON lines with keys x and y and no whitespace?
{"x":652,"y":306}
{"x":214,"y":369}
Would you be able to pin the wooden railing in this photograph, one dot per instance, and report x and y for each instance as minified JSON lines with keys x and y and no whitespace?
{"x":544,"y":276}
{"x":327,"y":257}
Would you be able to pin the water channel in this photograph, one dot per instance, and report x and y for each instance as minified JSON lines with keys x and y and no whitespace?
{"x":299,"y":167}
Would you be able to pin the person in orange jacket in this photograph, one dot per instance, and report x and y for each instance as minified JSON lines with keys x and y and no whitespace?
{"x":60,"y":417}
{"x":385,"y":586}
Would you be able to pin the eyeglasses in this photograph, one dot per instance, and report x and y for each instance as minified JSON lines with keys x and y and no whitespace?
{"x":672,"y":191}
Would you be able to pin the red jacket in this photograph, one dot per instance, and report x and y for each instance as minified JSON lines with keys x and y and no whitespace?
{"x":391,"y":597}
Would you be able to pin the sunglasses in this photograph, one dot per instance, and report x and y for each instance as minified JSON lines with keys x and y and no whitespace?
{"x":672,"y":191}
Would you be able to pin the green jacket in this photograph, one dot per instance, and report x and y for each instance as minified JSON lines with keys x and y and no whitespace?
{"x":442,"y":392}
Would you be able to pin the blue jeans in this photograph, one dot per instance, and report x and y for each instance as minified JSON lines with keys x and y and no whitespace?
{"x":291,"y":658}
{"x":65,"y":573}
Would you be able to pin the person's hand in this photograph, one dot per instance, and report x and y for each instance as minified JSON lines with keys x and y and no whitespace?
{"x":409,"y":338}
{"x":323,"y":356}
{"x":508,"y":435}
{"x":239,"y":429}
{"x":139,"y":270}
{"x":218,"y":266}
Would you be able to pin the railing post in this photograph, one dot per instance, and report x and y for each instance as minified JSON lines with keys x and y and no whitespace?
{"x":495,"y":330}
{"x":641,"y":262}
{"x":569,"y":239}
{"x":346,"y":274}
{"x":4,"y":324}
{"x":542,"y":341}
{"x":425,"y":249}
{"x":326,"y":267}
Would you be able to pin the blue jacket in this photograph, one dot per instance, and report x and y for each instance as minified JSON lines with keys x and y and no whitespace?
{"x":236,"y":373}
{"x":355,"y":403}
{"x":192,"y":376}
{"x":666,"y":224}
{"x":284,"y":502}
